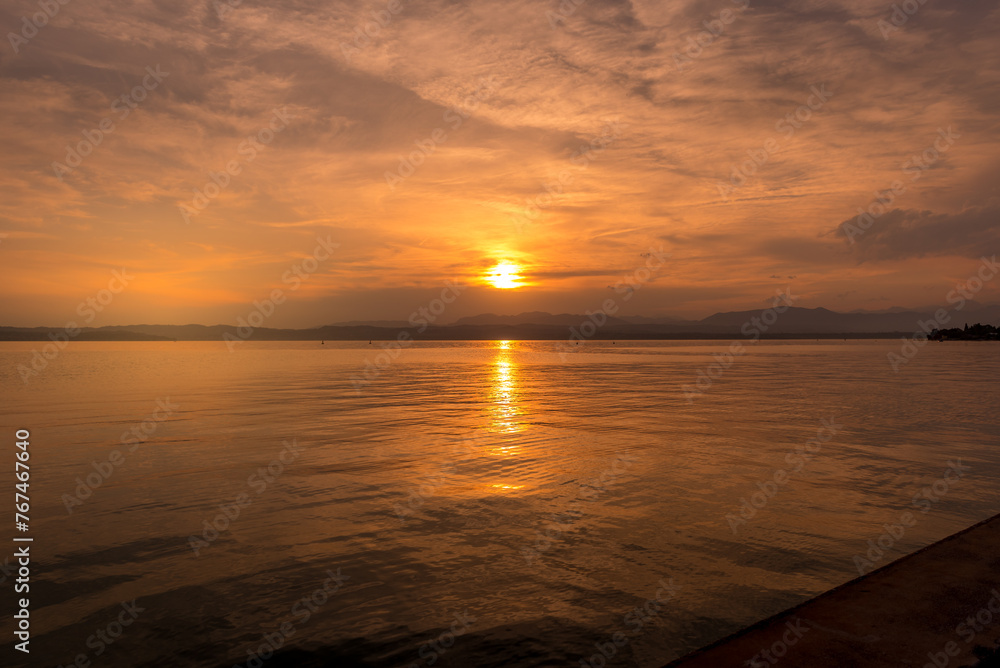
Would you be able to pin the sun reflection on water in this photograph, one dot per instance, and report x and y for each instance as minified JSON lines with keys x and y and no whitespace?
{"x":507,"y":416}
{"x":499,"y":487}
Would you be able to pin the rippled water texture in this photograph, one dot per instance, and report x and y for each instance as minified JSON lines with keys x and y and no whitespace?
{"x":538,"y":499}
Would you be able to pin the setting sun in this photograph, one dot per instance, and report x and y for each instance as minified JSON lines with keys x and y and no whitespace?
{"x":504,"y":276}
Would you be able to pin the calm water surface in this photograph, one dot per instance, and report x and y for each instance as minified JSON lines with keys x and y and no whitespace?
{"x":542,"y":499}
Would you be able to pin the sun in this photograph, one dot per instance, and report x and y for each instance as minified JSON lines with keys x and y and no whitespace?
{"x":504,"y":276}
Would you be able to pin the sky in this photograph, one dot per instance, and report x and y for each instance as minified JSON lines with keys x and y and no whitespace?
{"x":352,"y":159}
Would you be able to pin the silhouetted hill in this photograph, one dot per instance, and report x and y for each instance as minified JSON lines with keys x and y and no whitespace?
{"x":795,"y":322}
{"x":657,"y":320}
{"x":817,"y":320}
{"x":86,"y":334}
{"x":369,"y":323}
{"x":971,"y":311}
{"x":532,"y":318}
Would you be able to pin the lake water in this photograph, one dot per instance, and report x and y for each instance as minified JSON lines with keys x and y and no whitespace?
{"x":484,"y":503}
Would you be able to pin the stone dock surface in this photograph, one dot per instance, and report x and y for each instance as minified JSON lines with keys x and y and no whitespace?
{"x":936,"y":608}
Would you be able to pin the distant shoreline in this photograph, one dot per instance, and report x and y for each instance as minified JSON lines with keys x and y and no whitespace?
{"x":770,"y":324}
{"x":449,"y":333}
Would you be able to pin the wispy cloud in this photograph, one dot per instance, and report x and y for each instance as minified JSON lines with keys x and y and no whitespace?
{"x":358,"y":113}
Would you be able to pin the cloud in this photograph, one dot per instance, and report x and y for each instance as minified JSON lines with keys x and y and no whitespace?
{"x":365,"y":104}
{"x":907,"y":233}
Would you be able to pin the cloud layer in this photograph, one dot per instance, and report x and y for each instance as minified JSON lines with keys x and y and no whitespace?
{"x":432,"y":139}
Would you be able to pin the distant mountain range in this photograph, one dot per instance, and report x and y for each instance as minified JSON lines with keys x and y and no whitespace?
{"x":537,"y":325}
{"x":562,"y":320}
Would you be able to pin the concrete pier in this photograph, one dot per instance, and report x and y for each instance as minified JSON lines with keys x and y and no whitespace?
{"x":936,"y":608}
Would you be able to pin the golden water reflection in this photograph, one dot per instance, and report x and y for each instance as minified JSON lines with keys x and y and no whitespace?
{"x":499,"y":487}
{"x":504,"y":395}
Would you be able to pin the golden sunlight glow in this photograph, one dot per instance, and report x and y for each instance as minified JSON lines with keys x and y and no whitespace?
{"x":500,"y":487}
{"x":504,"y":396}
{"x":504,"y":276}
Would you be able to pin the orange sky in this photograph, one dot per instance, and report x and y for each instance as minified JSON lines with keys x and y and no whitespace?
{"x":494,"y":100}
